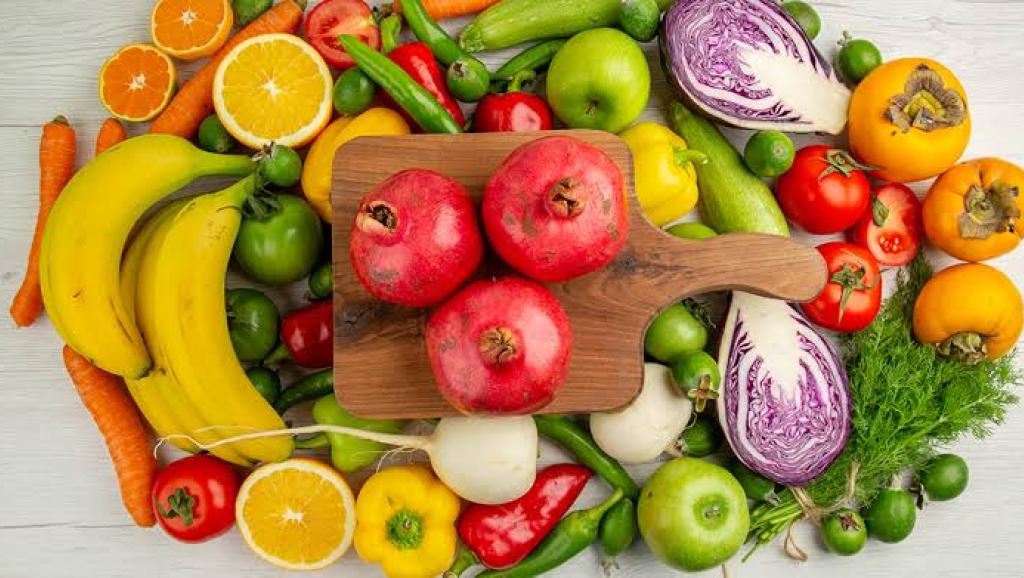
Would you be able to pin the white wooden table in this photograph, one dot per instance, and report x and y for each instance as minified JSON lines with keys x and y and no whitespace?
{"x":61,"y":514}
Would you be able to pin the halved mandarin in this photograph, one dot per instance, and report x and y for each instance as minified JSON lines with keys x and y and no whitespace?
{"x":136,"y":83}
{"x":191,"y":29}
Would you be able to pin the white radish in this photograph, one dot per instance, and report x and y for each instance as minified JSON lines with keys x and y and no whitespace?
{"x":640,"y":432}
{"x":485,"y":460}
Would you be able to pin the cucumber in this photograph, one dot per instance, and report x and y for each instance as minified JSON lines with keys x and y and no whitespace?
{"x":512,"y":22}
{"x":639,"y":18}
{"x":732,"y":199}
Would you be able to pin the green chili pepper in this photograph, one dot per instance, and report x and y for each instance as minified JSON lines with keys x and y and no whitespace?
{"x":565,"y":433}
{"x":312,"y":386}
{"x":533,"y":58}
{"x":348,"y":453}
{"x":574,"y":533}
{"x":618,"y":529}
{"x":444,"y":47}
{"x":413,"y":98}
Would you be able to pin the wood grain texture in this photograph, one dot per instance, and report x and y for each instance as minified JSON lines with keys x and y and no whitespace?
{"x":62,"y":517}
{"x":608,"y":309}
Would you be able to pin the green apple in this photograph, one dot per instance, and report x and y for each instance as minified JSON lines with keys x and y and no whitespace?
{"x":693,"y":514}
{"x":599,"y":80}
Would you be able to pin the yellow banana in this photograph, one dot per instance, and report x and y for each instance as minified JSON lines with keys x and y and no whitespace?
{"x":189,"y":331}
{"x":86,"y":233}
{"x":173,"y":412}
{"x":146,"y":391}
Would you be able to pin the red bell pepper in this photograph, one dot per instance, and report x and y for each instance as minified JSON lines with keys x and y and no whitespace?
{"x":512,"y":111}
{"x":502,"y":535}
{"x":417,"y":60}
{"x":307,"y":336}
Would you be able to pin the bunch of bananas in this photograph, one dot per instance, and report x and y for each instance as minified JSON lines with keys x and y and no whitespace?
{"x":157,"y":316}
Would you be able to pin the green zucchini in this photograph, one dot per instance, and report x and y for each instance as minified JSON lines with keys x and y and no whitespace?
{"x":732,"y":199}
{"x":512,"y":22}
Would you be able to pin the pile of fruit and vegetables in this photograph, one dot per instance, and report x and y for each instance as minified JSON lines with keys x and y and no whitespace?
{"x":836,"y":412}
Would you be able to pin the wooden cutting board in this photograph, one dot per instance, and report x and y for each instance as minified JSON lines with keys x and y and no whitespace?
{"x":380,"y":360}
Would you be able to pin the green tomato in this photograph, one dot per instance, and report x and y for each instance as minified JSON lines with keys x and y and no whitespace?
{"x":213,"y":137}
{"x":468,"y":79}
{"x":702,"y":438}
{"x":805,"y":16}
{"x":696,"y":374}
{"x":857,"y":58}
{"x":673,"y":332}
{"x":754,"y":486}
{"x":281,"y":247}
{"x":769,"y":153}
{"x":280,"y":166}
{"x":693,"y":231}
{"x":353,"y":92}
{"x":639,"y":18}
{"x":693,"y":514}
{"x":248,"y":10}
{"x":891,"y":516}
{"x":252,"y":323}
{"x":266,"y":381}
{"x":321,"y":281}
{"x":844,"y":532}
{"x":945,"y":477}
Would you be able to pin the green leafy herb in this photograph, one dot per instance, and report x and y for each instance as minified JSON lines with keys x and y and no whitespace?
{"x":907,"y":402}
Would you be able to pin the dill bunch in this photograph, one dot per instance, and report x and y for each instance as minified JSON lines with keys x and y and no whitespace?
{"x":907,"y":402}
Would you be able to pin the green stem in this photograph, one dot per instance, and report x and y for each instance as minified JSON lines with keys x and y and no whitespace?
{"x":464,"y":560}
{"x":390,"y":27}
{"x":226,"y":165}
{"x":518,"y":79}
{"x":684,"y":156}
{"x":278,"y":355}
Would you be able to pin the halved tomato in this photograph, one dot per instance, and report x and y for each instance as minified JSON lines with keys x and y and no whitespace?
{"x":332,"y":18}
{"x":891,"y":227}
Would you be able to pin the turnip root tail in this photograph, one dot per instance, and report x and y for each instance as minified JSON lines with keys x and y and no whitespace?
{"x":412,"y":442}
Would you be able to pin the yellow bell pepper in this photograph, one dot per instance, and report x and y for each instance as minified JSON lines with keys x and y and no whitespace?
{"x":317,"y":171}
{"x":405,"y":522}
{"x":666,"y":182}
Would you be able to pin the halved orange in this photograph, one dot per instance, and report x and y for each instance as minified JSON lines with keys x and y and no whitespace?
{"x":273,"y":87}
{"x":191,"y":29}
{"x":136,"y":83}
{"x":298,"y":514}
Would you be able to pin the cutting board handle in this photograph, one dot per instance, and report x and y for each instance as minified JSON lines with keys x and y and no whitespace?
{"x":666,"y":268}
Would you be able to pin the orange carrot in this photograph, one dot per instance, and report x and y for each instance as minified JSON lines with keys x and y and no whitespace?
{"x":121,"y":426}
{"x":56,"y":165}
{"x":194,"y":101}
{"x":111,"y":133}
{"x":440,"y":9}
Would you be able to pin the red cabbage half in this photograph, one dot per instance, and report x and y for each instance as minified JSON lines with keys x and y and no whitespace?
{"x":784,"y":403}
{"x":748,"y":64}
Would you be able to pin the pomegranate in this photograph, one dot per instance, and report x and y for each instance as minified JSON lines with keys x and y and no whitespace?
{"x":416,"y":239}
{"x":556,"y":209}
{"x":499,"y":346}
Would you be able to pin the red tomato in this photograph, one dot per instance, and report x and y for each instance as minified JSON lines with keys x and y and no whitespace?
{"x":891,"y":229}
{"x":853,"y":294}
{"x":332,"y":18}
{"x":825,"y":191}
{"x":194,"y":498}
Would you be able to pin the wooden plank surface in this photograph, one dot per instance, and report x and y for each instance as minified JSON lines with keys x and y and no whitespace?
{"x":62,"y":516}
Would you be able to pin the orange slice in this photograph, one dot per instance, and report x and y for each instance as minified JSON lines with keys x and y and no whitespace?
{"x":273,"y":87}
{"x":136,"y":83}
{"x":298,"y":514}
{"x":191,"y":29}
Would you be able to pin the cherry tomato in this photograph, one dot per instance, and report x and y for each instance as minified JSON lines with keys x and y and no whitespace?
{"x":825,"y":191}
{"x":853,"y":294}
{"x":891,"y":228}
{"x":332,"y":18}
{"x":194,"y":498}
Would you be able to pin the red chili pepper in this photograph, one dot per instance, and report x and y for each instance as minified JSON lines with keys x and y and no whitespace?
{"x":308,"y":334}
{"x":512,"y":111}
{"x":504,"y":534}
{"x":417,"y":60}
